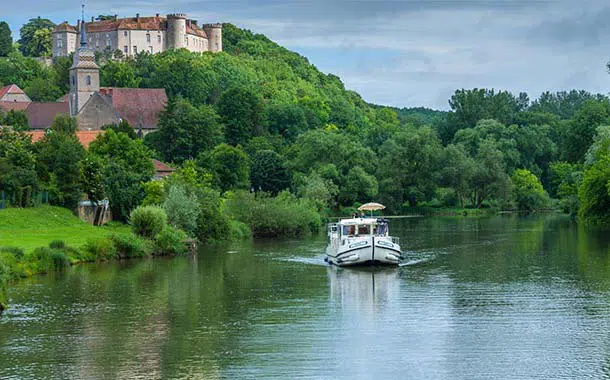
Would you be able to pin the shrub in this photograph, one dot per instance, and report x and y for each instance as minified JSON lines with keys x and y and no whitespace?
{"x":100,"y":249}
{"x":57,"y":244}
{"x":240,"y":230}
{"x":128,"y":246}
{"x":148,"y":221}
{"x":182,"y":209}
{"x":40,"y":260}
{"x":284,"y":215}
{"x":17,"y":252}
{"x":59,"y":259}
{"x":170,"y":241}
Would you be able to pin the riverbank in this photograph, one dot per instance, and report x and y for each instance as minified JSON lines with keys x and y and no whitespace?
{"x":44,"y":239}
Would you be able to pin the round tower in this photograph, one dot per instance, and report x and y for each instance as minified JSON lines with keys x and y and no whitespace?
{"x":176,"y":31}
{"x":214,"y":33}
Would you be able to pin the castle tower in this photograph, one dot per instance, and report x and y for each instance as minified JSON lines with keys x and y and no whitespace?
{"x":214,"y":33}
{"x":176,"y":31}
{"x":84,"y":73}
{"x":64,"y":40}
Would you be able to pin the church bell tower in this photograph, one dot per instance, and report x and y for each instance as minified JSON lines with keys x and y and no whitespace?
{"x":84,"y":73}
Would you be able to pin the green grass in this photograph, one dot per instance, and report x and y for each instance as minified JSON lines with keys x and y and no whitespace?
{"x":30,"y":228}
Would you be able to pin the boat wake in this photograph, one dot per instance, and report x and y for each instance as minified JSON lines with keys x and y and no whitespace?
{"x":316,"y":260}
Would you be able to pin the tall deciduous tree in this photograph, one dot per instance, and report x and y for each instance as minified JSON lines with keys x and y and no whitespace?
{"x":241,"y":111}
{"x":268,"y":172}
{"x":229,"y":166}
{"x":6,"y":39}
{"x":35,"y":38}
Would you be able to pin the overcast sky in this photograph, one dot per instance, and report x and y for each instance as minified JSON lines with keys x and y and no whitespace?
{"x":404,"y":53}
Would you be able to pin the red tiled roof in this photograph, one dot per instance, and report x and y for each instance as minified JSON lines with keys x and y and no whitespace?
{"x":142,"y":23}
{"x":41,"y":115}
{"x":160,"y":167}
{"x":14,"y":106}
{"x":139,"y":106}
{"x":84,"y":137}
{"x":11,"y":89}
{"x":65,"y":27}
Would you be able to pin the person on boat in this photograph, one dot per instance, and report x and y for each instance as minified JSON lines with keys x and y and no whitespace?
{"x":362,"y":215}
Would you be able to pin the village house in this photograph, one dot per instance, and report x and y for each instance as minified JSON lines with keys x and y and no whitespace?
{"x":92,"y":106}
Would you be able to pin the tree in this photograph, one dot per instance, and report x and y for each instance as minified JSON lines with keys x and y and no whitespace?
{"x":359,"y":187}
{"x":128,"y":167}
{"x":122,"y":127}
{"x":16,"y":119}
{"x":59,"y":157}
{"x":409,"y":167}
{"x":527,"y":191}
{"x":287,"y":120}
{"x":229,"y":166}
{"x":241,"y":111}
{"x":41,"y":90}
{"x":577,"y":135}
{"x":268,"y":172}
{"x":182,"y":209}
{"x":565,"y":179}
{"x":458,"y":170}
{"x":18,"y":179}
{"x":119,"y":74}
{"x":6,"y":39}
{"x":490,"y":179}
{"x":185,"y":130}
{"x":35,"y":38}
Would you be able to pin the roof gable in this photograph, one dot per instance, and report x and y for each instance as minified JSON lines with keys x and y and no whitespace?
{"x":12,"y":89}
{"x":139,"y":106}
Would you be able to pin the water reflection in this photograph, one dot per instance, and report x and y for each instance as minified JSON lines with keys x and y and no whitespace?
{"x":363,"y":289}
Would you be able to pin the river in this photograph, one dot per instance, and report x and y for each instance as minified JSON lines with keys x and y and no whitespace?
{"x":501,"y":297}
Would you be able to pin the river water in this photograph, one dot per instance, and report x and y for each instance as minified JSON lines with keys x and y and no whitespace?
{"x":489,"y":298}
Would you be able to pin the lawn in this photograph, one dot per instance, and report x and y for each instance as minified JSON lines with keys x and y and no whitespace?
{"x":30,"y":228}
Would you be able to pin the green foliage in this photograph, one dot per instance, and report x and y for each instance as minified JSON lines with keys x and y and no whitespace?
{"x":154,"y":193}
{"x":148,"y":221}
{"x":42,"y":90}
{"x":170,"y":241}
{"x":241,"y":111}
{"x":18,"y":179}
{"x":92,"y":178}
{"x":268,"y":172}
{"x":122,"y":127}
{"x":185,"y":130}
{"x":182,"y":209}
{"x":128,"y":164}
{"x":57,"y":244}
{"x":577,"y":134}
{"x":284,"y":215}
{"x":565,"y":179}
{"x":239,"y":230}
{"x":100,"y":249}
{"x":212,"y":222}
{"x":35,"y":38}
{"x":594,"y":189}
{"x":59,"y":157}
{"x":527,"y":191}
{"x":16,"y":119}
{"x":6,"y":40}
{"x":119,"y":74}
{"x":228,"y":165}
{"x":130,"y":246}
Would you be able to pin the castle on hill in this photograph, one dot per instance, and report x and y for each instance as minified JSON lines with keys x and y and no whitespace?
{"x":133,"y":35}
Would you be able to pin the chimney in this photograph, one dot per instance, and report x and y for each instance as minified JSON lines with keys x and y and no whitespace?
{"x":137,"y":17}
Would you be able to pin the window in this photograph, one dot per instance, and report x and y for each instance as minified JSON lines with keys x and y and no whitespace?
{"x":73,"y":81}
{"x":125,"y":33}
{"x":97,"y":43}
{"x":88,"y":80}
{"x":135,"y":49}
{"x":150,"y":49}
{"x":148,"y":37}
{"x":186,"y":39}
{"x":159,"y":38}
{"x":60,"y":43}
{"x":125,"y":48}
{"x":364,"y":229}
{"x":107,"y":42}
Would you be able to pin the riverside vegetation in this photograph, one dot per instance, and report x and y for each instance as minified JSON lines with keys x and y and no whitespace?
{"x":267,"y":145}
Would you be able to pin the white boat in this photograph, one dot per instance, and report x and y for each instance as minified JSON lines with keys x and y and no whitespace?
{"x":362,"y":241}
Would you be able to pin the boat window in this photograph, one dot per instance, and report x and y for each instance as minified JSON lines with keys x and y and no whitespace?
{"x":349,"y":230}
{"x":364,"y":229}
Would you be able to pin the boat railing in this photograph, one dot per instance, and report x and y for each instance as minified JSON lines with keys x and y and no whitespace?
{"x":395,"y":240}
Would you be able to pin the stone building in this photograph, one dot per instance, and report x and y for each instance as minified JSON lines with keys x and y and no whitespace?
{"x":137,"y":34}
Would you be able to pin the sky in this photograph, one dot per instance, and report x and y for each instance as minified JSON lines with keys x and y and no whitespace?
{"x":404,"y":53}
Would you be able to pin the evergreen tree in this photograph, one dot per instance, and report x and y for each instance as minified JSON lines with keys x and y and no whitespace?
{"x":6,"y":40}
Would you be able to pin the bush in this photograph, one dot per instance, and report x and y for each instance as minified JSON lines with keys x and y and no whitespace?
{"x":59,"y":259}
{"x":284,"y":215}
{"x":128,"y":246}
{"x":239,"y":230}
{"x":182,"y":209}
{"x":17,"y":252}
{"x":100,"y":249}
{"x":170,"y":241}
{"x":43,"y":260}
{"x":57,"y":244}
{"x":148,"y":221}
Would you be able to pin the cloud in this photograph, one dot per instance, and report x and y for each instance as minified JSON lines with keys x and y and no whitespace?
{"x":408,"y":53}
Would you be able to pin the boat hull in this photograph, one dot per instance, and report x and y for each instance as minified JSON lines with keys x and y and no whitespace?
{"x":364,"y":253}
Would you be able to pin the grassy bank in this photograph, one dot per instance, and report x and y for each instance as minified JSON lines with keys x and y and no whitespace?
{"x":29,"y":228}
{"x":40,"y":240}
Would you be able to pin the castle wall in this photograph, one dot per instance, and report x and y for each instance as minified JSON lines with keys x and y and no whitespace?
{"x":64,"y":43}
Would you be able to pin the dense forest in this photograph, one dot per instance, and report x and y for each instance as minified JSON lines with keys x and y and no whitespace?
{"x":259,"y":122}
